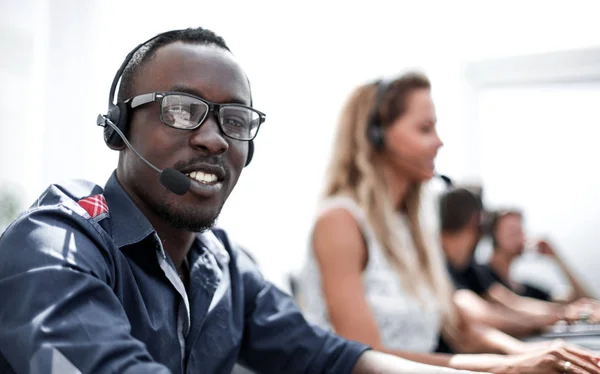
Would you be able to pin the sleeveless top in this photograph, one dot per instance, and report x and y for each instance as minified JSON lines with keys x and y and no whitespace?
{"x":404,"y":322}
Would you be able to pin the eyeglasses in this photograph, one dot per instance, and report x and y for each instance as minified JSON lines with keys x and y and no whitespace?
{"x":188,"y":112}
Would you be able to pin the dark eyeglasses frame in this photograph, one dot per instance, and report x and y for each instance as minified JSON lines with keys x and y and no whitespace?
{"x":214,"y":108}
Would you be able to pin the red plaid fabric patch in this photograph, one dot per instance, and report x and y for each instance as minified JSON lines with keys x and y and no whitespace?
{"x":94,"y":205}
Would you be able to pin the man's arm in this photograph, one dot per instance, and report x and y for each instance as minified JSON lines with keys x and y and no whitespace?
{"x":546,"y":313}
{"x":489,"y":302}
{"x":497,"y":316}
{"x":58,"y":312}
{"x":578,"y":290}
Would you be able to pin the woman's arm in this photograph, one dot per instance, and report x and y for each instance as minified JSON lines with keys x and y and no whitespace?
{"x":341,"y":256}
{"x":550,"y":360}
{"x":377,"y":362}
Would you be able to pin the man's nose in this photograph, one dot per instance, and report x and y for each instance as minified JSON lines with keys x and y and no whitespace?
{"x":209,"y":137}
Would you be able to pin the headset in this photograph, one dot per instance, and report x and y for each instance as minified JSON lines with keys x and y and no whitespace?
{"x":375,"y":130}
{"x":119,"y":112}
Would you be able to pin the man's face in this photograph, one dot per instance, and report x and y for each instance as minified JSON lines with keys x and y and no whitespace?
{"x":468,"y":239}
{"x":211,"y":73}
{"x":510,"y":236}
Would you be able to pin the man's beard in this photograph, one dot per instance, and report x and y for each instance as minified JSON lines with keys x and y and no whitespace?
{"x":183,"y":217}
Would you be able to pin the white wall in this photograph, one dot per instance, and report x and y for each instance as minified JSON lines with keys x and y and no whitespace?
{"x":302,"y":59}
{"x":539,"y":149}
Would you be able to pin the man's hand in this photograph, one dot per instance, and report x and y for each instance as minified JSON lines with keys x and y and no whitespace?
{"x":583,"y":310}
{"x":545,"y":248}
{"x":529,"y":347}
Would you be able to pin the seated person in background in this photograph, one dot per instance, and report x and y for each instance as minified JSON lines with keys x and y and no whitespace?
{"x":478,"y":294}
{"x":130,"y":278}
{"x":509,"y":243}
{"x":375,"y":271}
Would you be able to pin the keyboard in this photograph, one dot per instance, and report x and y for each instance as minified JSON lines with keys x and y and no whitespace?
{"x":583,"y":335}
{"x":579,"y":329}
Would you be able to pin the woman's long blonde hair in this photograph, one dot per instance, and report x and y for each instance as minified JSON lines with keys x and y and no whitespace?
{"x":353,"y":171}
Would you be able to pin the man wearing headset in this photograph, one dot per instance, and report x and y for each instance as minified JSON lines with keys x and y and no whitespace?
{"x":479,"y":295}
{"x":132,"y":278}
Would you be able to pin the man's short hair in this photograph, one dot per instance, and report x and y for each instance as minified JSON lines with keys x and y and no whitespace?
{"x":144,"y":54}
{"x":457,"y":207}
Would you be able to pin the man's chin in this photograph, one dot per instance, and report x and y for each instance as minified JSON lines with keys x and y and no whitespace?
{"x":197,"y":225}
{"x":193,"y":220}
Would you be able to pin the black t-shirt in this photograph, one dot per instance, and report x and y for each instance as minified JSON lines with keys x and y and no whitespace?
{"x":522,"y":289}
{"x":474,"y":277}
{"x":479,"y":279}
{"x":443,"y":347}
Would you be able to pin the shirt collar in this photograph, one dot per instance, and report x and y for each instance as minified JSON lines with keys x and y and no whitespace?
{"x":129,"y":225}
{"x":209,"y":240}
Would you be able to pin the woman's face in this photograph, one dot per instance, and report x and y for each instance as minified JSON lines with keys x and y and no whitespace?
{"x":412,"y":141}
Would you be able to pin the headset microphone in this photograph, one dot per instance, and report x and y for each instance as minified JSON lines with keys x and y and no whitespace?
{"x":175,"y":181}
{"x":447,"y":181}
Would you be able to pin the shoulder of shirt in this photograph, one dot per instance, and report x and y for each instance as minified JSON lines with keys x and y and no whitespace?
{"x":59,"y":210}
{"x":82,"y":197}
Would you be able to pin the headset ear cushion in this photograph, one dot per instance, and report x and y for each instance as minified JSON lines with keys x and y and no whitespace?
{"x":376,"y":135}
{"x":119,"y":115}
{"x":250,"y":152}
{"x":380,"y":136}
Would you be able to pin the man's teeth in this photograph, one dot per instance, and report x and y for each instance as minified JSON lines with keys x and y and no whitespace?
{"x":201,"y":177}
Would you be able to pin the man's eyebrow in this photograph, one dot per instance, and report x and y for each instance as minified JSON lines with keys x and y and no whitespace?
{"x":192,"y":91}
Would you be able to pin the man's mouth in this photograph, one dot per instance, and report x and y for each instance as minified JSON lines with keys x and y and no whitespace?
{"x":207,"y":179}
{"x":202,"y":177}
{"x":204,"y":183}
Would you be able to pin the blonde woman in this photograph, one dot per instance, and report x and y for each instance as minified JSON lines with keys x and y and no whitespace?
{"x":375,"y":272}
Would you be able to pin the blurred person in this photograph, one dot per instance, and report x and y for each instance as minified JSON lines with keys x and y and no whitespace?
{"x":132,"y":277}
{"x":375,"y":271}
{"x":509,"y":243}
{"x":461,"y":212}
{"x":479,"y":294}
